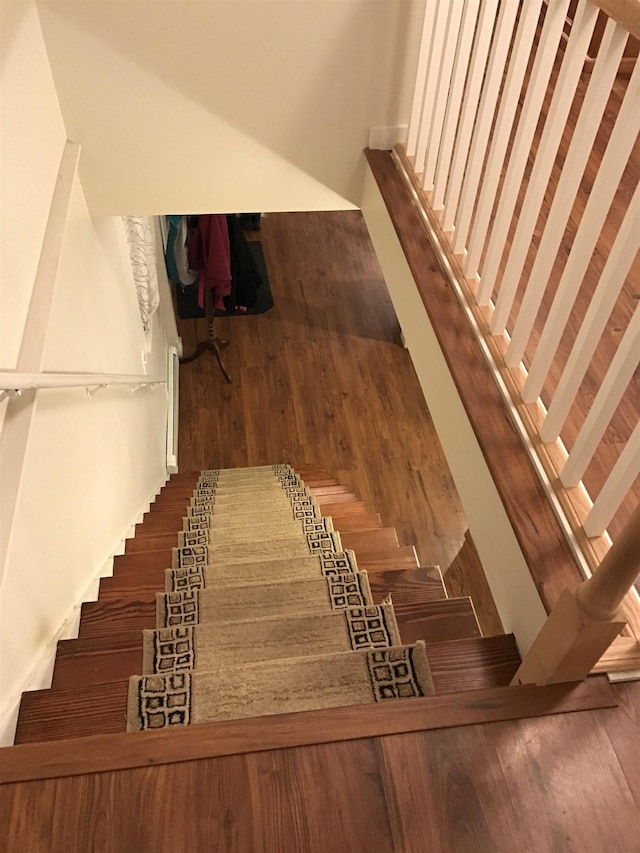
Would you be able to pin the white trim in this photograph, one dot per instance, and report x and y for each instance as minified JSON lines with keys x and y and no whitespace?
{"x":173,"y":408}
{"x":385,"y":138}
{"x":13,"y":381}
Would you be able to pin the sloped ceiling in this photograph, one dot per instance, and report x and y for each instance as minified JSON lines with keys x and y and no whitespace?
{"x":225,"y":105}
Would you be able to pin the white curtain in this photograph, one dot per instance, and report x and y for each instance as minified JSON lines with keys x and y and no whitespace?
{"x":140,"y":231}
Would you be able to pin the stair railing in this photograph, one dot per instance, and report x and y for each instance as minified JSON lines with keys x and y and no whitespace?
{"x":508,"y":105}
{"x":586,"y":620}
{"x":14,"y":383}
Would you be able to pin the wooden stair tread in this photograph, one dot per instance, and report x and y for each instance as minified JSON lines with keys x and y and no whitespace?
{"x":104,"y":753}
{"x":119,"y":614}
{"x":111,"y":656}
{"x":144,"y":581}
{"x":435,"y":621}
{"x":59,"y":714}
{"x":473,"y":663}
{"x":94,"y":660}
{"x":407,"y":585}
{"x":141,"y":561}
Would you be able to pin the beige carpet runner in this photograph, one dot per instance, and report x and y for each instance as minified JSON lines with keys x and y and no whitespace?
{"x":265,"y":613}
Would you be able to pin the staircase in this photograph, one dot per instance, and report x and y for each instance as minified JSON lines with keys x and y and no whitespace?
{"x":88,"y":695}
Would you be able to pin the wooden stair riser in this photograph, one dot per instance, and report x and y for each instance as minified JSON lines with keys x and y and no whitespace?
{"x":99,"y":708}
{"x":118,"y":655}
{"x":361,"y":541}
{"x":141,"y":582}
{"x":474,"y":663}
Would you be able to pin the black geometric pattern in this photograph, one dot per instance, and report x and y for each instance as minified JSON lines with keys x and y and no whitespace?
{"x":198,"y":555}
{"x":194,"y":537}
{"x":338,"y":563}
{"x":281,"y":468}
{"x":164,"y":700}
{"x":205,"y":500}
{"x":345,"y":591}
{"x":368,"y":628}
{"x":315,"y":525}
{"x":297,"y":493}
{"x":179,"y":580}
{"x":290,"y":481}
{"x":200,"y":510}
{"x":202,"y":522}
{"x":204,"y":494}
{"x":173,"y":649}
{"x":305,"y":508}
{"x":392,"y":674}
{"x":322,"y":542}
{"x":181,"y":608}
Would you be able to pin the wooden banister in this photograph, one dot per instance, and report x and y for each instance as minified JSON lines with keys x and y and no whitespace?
{"x":586,"y":620}
{"x":625,"y":12}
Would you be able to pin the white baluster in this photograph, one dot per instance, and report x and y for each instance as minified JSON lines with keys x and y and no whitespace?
{"x":565,"y":88}
{"x":477,"y":67}
{"x":421,"y":78}
{"x":620,"y":373}
{"x":520,"y":54}
{"x":442,"y":93}
{"x":616,"y":269}
{"x":604,"y":188}
{"x":458,"y":77}
{"x":615,"y":490}
{"x":536,"y":89}
{"x":483,"y":123}
{"x":586,"y":129}
{"x":438,"y":46}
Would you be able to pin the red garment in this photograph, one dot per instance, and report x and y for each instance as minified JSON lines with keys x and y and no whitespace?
{"x":209,"y":254}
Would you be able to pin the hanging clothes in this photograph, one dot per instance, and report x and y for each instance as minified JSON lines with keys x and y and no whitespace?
{"x":176,"y":252}
{"x":209,"y":253}
{"x":245,"y":275}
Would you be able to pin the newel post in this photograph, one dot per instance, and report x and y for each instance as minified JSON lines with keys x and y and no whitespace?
{"x":586,"y":620}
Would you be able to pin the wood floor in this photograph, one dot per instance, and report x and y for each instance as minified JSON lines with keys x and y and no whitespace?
{"x":567,"y":782}
{"x":323,"y":378}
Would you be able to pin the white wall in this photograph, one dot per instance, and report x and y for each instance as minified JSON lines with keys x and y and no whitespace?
{"x":32,"y":137}
{"x":229,"y":105}
{"x":512,"y":586}
{"x":92,"y":462}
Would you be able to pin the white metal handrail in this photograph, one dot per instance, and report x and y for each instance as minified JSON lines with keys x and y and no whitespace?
{"x":15,"y":383}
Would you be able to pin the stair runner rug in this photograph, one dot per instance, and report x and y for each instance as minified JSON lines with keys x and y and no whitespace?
{"x":210,"y":644}
{"x":244,"y":552}
{"x":278,"y":687}
{"x":250,"y":531}
{"x":241,"y":603}
{"x":266,"y":614}
{"x":244,"y":574}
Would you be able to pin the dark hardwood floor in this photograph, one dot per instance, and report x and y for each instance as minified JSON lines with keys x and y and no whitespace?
{"x":323,"y":378}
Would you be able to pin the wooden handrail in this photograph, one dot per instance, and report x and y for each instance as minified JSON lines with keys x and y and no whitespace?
{"x":625,"y":12}
{"x":586,"y":620}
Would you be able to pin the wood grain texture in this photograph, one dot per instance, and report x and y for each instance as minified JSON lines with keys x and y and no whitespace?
{"x":465,"y":577}
{"x":119,"y":614}
{"x":436,"y":621}
{"x":110,"y":657}
{"x":473,"y":663}
{"x":102,"y":753}
{"x":61,"y":714}
{"x":408,"y":585}
{"x":542,"y":541}
{"x":364,"y":421}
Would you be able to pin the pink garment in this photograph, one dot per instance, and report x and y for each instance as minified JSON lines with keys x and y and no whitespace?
{"x":209,"y":254}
